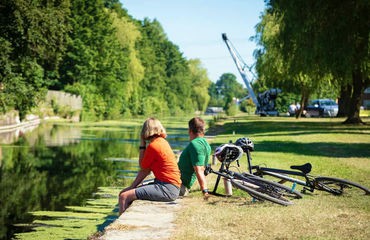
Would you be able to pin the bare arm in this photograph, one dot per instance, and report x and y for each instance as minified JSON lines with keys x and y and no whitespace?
{"x":199,"y":170}
{"x":141,"y":175}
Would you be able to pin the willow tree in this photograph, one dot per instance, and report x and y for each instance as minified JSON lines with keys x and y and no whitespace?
{"x":328,"y":38}
{"x":273,"y":70}
{"x":200,"y":84}
{"x":128,"y":34}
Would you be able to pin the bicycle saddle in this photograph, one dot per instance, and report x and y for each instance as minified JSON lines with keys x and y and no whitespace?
{"x":305,"y":168}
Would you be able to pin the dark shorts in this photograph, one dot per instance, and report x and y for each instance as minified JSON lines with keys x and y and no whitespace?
{"x":157,"y":191}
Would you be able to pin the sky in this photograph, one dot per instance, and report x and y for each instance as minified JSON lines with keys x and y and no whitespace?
{"x":196,"y":26}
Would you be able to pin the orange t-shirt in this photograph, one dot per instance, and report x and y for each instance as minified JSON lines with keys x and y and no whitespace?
{"x":161,"y":160}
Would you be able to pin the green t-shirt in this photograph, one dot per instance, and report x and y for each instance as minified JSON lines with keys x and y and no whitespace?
{"x":195,"y":154}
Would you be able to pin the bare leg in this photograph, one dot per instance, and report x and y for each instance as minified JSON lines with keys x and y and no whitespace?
{"x":125,"y":199}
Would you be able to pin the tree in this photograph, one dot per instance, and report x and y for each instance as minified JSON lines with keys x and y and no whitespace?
{"x":33,"y":37}
{"x":200,"y":84}
{"x":153,"y":61}
{"x":326,"y":40}
{"x":276,"y":70}
{"x":167,"y":76}
{"x":132,"y":71}
{"x":230,"y":89}
{"x":94,"y":65}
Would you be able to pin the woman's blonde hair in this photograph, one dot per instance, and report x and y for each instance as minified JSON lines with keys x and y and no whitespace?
{"x":152,"y":127}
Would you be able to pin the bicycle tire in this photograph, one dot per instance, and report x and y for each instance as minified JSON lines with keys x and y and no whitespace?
{"x":259,"y":195}
{"x":278,"y":187}
{"x":338,"y":186}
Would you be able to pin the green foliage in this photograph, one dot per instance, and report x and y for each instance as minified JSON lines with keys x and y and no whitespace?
{"x":32,"y":36}
{"x":120,"y":66}
{"x":307,"y":45}
{"x":247,"y":106}
{"x":284,"y":100}
{"x":200,"y":84}
{"x":102,"y":60}
{"x":226,"y":92}
{"x":6,"y":98}
{"x":167,"y":76}
{"x":94,"y":105}
{"x":231,"y":109}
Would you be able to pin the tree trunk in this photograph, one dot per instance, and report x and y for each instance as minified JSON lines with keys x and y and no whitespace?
{"x":344,"y":100}
{"x":355,"y":102}
{"x":304,"y":99}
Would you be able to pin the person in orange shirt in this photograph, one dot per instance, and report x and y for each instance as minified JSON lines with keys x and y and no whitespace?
{"x":157,"y":157}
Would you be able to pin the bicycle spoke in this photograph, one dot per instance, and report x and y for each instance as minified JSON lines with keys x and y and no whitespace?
{"x":339,"y":186}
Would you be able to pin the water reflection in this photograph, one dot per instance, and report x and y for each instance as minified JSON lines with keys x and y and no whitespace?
{"x":56,"y":166}
{"x":12,"y":135}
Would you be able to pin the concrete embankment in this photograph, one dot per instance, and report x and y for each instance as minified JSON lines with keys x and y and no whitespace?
{"x":10,"y":129}
{"x":144,"y":220}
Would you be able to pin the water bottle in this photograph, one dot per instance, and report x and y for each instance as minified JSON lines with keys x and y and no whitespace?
{"x":293,"y":186}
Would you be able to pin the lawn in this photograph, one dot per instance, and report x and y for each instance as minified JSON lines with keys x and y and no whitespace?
{"x":332,"y":148}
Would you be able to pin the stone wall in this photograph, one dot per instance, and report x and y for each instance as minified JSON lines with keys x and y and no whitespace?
{"x":9,"y":118}
{"x":64,"y":99}
{"x":69,"y":105}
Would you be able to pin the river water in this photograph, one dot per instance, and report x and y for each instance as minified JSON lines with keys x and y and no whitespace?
{"x":58,"y":165}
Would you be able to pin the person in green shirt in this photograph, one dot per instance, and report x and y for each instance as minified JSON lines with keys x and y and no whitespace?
{"x":194,"y":158}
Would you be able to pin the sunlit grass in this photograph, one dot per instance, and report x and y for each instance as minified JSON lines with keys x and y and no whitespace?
{"x":365,"y":113}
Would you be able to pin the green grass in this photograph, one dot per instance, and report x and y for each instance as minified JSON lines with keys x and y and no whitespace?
{"x":332,"y":148}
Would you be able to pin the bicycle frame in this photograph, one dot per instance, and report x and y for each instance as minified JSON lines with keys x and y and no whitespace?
{"x":281,"y":174}
{"x":222,"y":172}
{"x":219,"y":174}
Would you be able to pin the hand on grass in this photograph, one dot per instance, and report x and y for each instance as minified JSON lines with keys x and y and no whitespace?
{"x":206,"y":196}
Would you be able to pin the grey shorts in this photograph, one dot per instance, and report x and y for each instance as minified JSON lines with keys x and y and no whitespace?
{"x":157,"y":191}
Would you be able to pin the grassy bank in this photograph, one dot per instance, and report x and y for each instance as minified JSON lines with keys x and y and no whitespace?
{"x":332,"y":148}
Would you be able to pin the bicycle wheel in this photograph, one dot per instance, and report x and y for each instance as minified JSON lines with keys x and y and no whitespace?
{"x":282,"y":189}
{"x":258,"y":193}
{"x":338,"y":186}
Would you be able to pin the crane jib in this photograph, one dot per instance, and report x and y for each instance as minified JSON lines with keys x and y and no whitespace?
{"x":265,"y":102}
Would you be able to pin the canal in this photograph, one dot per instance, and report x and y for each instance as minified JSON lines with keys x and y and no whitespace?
{"x":54,"y":178}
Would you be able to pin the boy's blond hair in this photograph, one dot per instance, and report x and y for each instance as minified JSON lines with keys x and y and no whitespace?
{"x":152,"y":127}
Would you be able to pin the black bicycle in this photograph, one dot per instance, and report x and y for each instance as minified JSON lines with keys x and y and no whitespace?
{"x":257,"y":187}
{"x":333,"y":185}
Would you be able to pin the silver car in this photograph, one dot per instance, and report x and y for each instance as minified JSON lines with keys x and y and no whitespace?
{"x":322,"y":108}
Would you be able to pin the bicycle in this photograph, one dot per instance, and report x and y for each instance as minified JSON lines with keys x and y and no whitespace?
{"x":333,"y":185}
{"x":259,"y":188}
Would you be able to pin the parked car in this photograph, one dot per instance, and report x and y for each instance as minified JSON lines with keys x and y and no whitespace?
{"x":322,"y":108}
{"x":214,"y":111}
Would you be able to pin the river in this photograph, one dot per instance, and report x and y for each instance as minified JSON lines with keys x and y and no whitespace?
{"x":57,"y":165}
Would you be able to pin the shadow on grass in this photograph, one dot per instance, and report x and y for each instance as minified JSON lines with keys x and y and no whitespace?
{"x":275,"y":128}
{"x":327,"y":149}
{"x":256,"y":128}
